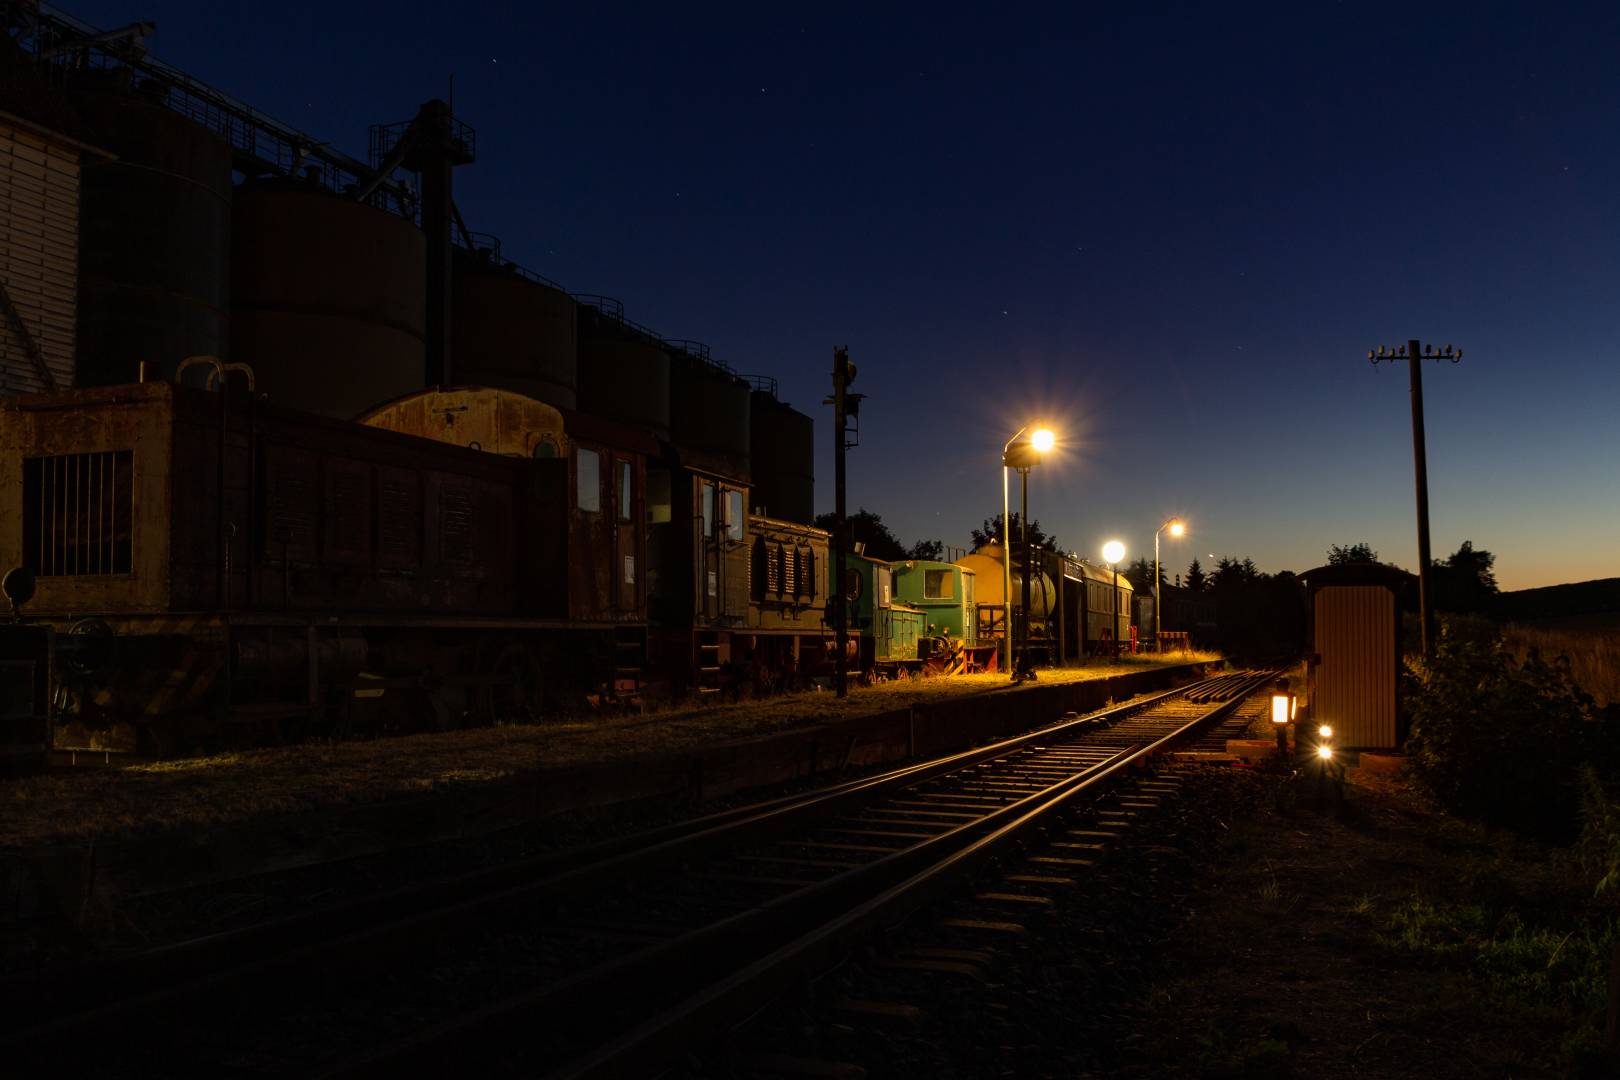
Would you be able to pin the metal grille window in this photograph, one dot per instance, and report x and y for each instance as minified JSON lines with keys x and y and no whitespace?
{"x":77,"y":513}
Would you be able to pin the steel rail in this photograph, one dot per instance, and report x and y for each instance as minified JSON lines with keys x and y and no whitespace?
{"x":86,"y":997}
{"x":649,"y":1046}
{"x":711,"y":951}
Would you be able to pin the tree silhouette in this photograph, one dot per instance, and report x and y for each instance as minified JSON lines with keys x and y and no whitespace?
{"x":1197,"y":580}
{"x":991,"y":533}
{"x":930,"y":550}
{"x":1465,"y":581}
{"x":868,"y":528}
{"x":1340,"y":554}
{"x":1140,"y":574}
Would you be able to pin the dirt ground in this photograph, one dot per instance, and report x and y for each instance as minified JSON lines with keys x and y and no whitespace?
{"x":1378,"y":938}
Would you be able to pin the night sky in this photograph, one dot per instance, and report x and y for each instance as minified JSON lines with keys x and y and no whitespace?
{"x":1174,"y":231}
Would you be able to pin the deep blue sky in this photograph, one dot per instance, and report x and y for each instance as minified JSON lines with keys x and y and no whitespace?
{"x":1172,"y":229}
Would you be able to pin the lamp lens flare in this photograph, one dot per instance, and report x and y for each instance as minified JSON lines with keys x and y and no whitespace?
{"x":1113,"y":552}
{"x":1324,"y":752}
{"x":1177,"y":529}
{"x":1325,"y":731}
{"x":1042,"y":440}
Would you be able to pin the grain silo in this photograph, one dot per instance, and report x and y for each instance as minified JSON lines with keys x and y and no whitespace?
{"x":511,"y":329}
{"x":782,"y":444}
{"x":155,"y":227}
{"x":623,"y":372}
{"x":328,"y":298}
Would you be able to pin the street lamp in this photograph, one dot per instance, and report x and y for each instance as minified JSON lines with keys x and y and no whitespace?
{"x":1177,"y":528}
{"x":1113,"y":554}
{"x":1021,"y":457}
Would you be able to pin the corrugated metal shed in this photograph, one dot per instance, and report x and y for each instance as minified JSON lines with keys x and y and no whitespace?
{"x":1355,"y":652}
{"x":39,"y":258}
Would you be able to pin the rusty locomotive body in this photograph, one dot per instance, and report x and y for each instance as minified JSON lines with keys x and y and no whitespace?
{"x":219,"y":565}
{"x":214,"y":568}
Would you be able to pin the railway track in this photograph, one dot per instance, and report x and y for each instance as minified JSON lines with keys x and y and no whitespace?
{"x":606,"y":960}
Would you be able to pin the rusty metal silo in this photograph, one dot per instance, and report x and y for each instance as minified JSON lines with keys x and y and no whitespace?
{"x":155,"y":232}
{"x":513,"y":330}
{"x":328,"y":298}
{"x":782,"y":444}
{"x":708,"y":408}
{"x":623,"y":371}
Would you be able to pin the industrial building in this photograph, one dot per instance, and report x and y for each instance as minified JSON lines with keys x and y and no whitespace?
{"x":149,"y":217}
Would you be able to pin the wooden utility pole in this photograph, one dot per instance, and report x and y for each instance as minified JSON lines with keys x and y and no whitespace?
{"x":1413,"y":352}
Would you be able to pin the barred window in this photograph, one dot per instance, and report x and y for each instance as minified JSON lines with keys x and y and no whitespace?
{"x":78,"y":511}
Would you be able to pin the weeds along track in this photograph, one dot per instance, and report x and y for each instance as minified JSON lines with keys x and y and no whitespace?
{"x":605,"y":960}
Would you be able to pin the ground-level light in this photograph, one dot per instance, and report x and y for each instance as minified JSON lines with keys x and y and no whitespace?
{"x":1324,"y":752}
{"x":1283,"y":705}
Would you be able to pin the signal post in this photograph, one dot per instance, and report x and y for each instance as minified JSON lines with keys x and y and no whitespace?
{"x":845,"y":405}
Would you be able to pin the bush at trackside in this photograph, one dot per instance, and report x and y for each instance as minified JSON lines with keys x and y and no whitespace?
{"x":1503,"y":740}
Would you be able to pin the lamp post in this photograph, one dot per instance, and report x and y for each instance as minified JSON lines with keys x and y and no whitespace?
{"x":1021,"y":457}
{"x":1113,"y":554}
{"x":1177,"y":528}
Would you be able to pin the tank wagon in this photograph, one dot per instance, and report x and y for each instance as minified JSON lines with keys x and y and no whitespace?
{"x":1074,"y":607}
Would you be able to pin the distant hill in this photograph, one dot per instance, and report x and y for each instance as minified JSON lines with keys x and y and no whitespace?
{"x":1600,"y":597}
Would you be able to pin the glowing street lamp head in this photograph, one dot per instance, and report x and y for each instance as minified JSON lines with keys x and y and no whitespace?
{"x":1325,"y":731}
{"x":1042,"y":440}
{"x":1113,"y":552}
{"x":1178,"y":528}
{"x":1324,"y":752}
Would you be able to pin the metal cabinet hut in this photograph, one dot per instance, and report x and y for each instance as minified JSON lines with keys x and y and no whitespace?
{"x":1353,"y":656}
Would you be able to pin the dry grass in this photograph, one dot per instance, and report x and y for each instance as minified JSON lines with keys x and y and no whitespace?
{"x":1386,"y":940}
{"x":1593,"y":648}
{"x":283,"y":780}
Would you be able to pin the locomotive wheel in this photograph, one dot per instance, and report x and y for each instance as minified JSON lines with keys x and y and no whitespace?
{"x":514,"y":695}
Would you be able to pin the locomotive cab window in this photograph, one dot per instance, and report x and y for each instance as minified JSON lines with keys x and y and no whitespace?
{"x":659,"y":510}
{"x":936,"y":584}
{"x":588,"y":467}
{"x":624,"y":494}
{"x":708,"y":509}
{"x":885,"y":579}
{"x":734,"y":515}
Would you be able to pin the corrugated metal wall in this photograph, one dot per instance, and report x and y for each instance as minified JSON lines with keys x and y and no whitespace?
{"x":39,"y":260}
{"x":1355,"y":674}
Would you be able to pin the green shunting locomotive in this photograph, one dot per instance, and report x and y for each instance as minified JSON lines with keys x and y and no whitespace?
{"x":910,"y":616}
